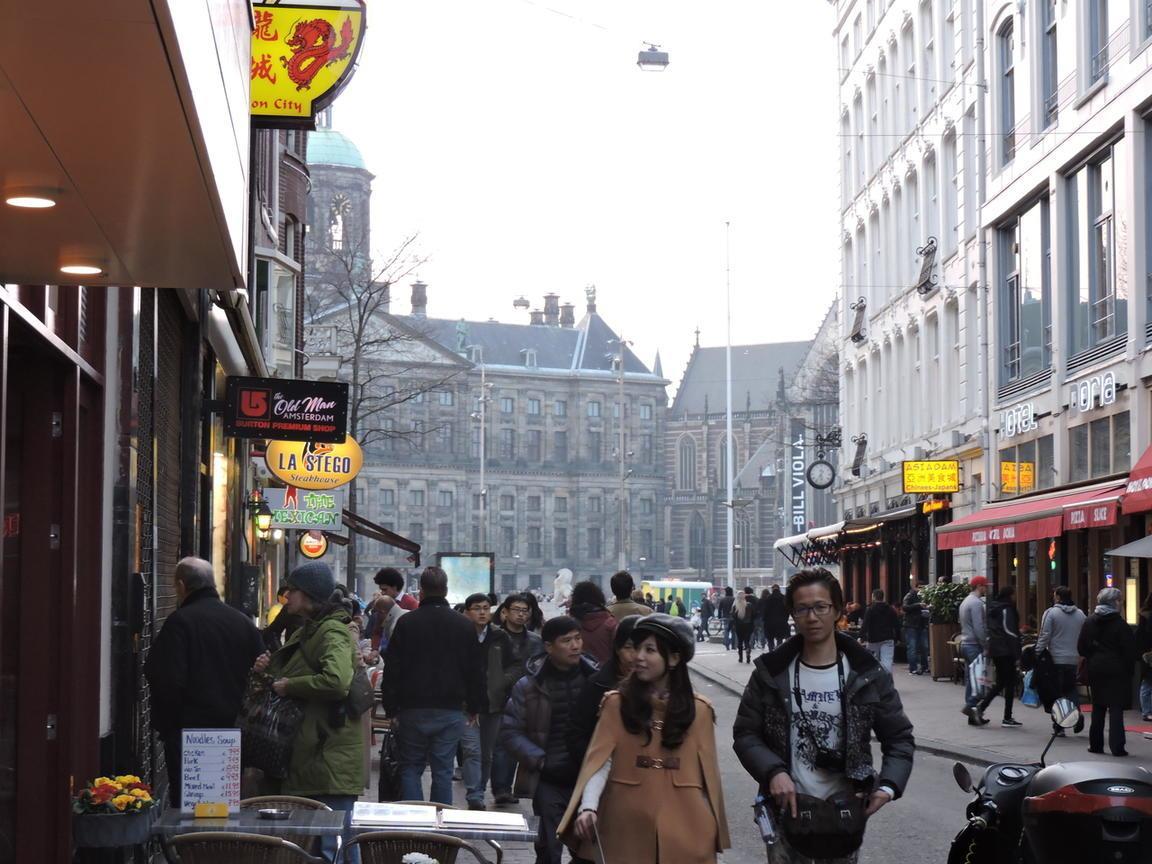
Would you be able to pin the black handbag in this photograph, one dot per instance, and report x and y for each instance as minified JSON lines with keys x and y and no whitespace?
{"x":832,"y":828}
{"x":388,"y":788}
{"x":360,"y":694}
{"x":268,"y":727}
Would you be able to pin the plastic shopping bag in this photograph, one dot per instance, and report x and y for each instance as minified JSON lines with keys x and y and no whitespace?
{"x":981,"y":675}
{"x":1030,"y":698}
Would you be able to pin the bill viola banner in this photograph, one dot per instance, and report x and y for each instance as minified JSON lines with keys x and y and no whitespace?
{"x":303,"y":54}
{"x":301,"y":508}
{"x":286,"y":409}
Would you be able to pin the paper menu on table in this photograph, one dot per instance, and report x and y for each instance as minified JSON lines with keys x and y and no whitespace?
{"x":408,"y":815}
{"x":210,"y":769}
{"x":482,"y":819}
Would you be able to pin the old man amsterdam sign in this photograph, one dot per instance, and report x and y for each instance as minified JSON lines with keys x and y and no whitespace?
{"x":303,"y":54}
{"x":286,"y":409}
{"x":313,"y":465}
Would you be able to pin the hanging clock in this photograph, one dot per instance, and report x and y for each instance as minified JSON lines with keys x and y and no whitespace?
{"x":821,"y":474}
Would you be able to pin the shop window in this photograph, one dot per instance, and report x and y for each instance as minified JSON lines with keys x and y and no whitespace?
{"x":1099,"y":312}
{"x":1026,"y":467}
{"x":1025,"y":294}
{"x":1100,"y":447}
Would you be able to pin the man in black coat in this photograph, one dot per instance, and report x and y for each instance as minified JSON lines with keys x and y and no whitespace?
{"x":434,"y":686}
{"x":198,"y":666}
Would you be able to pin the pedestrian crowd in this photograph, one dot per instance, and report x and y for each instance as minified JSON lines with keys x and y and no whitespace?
{"x":591,"y":714}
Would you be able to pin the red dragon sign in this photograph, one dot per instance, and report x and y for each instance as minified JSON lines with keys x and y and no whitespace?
{"x":314,"y":45}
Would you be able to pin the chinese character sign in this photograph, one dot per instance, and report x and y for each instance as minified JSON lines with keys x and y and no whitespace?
{"x":302,"y":56}
{"x":931,"y":477}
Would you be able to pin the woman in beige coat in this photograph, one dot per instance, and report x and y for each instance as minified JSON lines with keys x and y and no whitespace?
{"x":649,"y":789}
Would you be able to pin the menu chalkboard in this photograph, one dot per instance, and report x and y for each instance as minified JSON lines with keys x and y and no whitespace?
{"x":210,"y":772}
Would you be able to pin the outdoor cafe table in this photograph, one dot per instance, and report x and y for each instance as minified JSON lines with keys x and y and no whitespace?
{"x":315,"y":823}
{"x":492,"y":836}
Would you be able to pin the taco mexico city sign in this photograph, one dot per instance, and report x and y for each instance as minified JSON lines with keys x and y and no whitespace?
{"x":314,"y":465}
{"x":303,"y":54}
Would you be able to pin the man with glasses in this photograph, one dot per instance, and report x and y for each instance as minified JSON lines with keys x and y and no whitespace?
{"x":807,"y":715}
{"x":525,"y":645}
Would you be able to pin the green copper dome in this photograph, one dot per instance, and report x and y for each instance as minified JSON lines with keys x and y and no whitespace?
{"x":329,"y":147}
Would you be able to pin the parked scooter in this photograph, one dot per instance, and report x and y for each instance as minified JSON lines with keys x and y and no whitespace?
{"x":1068,"y":813}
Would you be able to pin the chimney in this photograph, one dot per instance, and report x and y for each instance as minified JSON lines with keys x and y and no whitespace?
{"x":590,"y":295}
{"x":567,"y":315}
{"x":551,"y":310}
{"x":419,"y":299}
{"x":536,"y":317}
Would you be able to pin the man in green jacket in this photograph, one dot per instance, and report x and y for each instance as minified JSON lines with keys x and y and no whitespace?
{"x":316,"y":666}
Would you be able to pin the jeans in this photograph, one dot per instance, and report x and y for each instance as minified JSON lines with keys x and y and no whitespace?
{"x":1116,"y":738}
{"x":1145,"y":697}
{"x":328,"y":843}
{"x":729,"y":633}
{"x":478,"y":741}
{"x":503,"y":769}
{"x":1005,"y":684}
{"x":549,"y":804}
{"x":970,"y":651}
{"x":428,"y":737}
{"x":883,"y":651}
{"x":916,"y":643}
{"x":702,"y":633}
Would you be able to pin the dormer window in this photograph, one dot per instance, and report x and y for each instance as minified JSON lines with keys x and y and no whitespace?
{"x":529,"y":355}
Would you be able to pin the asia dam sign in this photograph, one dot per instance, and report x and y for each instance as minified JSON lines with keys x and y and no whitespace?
{"x":314,"y":465}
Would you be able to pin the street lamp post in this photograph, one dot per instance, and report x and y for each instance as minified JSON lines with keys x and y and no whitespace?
{"x":516,"y":569}
{"x":622,"y":548}
{"x":728,"y":466}
{"x":643,"y":561}
{"x":482,"y":417}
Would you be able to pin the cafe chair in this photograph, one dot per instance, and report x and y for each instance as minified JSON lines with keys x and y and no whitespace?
{"x":229,"y":847}
{"x":390,"y":847}
{"x":309,"y":843}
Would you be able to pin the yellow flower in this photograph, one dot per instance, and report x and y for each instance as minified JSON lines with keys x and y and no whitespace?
{"x":125,"y":779}
{"x":101,"y":781}
{"x":120,"y":802}
{"x":141,"y":794}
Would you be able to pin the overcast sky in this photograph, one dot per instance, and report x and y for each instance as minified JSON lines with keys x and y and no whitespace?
{"x":522,"y":142}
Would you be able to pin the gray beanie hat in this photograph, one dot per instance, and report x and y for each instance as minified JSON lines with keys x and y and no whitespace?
{"x":314,"y":579}
{"x":673,"y":629}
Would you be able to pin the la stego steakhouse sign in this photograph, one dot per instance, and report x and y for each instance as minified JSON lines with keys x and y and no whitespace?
{"x":286,"y":409}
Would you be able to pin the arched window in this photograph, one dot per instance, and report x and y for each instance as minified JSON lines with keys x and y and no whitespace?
{"x":338,"y":223}
{"x":697,"y":537}
{"x":742,"y":550}
{"x":722,"y":462}
{"x":686,"y":473}
{"x":1006,"y":73}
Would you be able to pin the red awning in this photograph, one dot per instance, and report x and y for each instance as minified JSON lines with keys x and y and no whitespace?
{"x":1138,"y":492}
{"x":1024,"y":520}
{"x":1098,"y":512}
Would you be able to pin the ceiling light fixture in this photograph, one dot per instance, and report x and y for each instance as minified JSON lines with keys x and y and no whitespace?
{"x":29,"y":200}
{"x":82,"y":270}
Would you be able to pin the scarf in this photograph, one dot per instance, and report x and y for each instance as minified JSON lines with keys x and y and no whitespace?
{"x":1106,"y":610}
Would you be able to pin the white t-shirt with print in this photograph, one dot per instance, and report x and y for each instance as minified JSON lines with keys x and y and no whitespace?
{"x":820,"y":696}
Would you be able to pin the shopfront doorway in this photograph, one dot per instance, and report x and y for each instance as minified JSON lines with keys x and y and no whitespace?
{"x":49,"y":473}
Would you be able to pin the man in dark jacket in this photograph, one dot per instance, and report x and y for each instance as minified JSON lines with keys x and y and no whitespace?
{"x":776,"y":629}
{"x":525,"y":645}
{"x":806,"y":717}
{"x":724,"y":613}
{"x":535,"y":728}
{"x":879,"y":628}
{"x":501,"y":671}
{"x":198,"y":666}
{"x":433,"y":685}
{"x":916,"y":629}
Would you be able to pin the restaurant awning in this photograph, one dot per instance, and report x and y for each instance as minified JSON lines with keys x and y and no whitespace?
{"x":867,"y":523}
{"x":369,"y":529}
{"x":1037,"y":518}
{"x":1141,"y":548}
{"x":1138,"y":490}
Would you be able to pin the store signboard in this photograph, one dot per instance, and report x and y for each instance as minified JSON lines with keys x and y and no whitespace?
{"x":1017,"y":478}
{"x":303,"y":508}
{"x":313,"y":465}
{"x":313,"y":544}
{"x":931,"y":477}
{"x":286,"y":409}
{"x":303,"y":55}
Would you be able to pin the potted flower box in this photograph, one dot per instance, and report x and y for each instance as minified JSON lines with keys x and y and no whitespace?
{"x":943,"y":599}
{"x":113,"y":812}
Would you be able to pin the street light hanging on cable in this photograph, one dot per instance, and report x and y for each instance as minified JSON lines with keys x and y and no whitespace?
{"x":652,"y":59}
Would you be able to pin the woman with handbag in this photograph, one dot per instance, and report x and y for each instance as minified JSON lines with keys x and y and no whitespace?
{"x":803,"y":731}
{"x":649,"y":789}
{"x":1056,"y":654}
{"x":316,"y":667}
{"x":1004,"y":649}
{"x":1109,"y":650}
